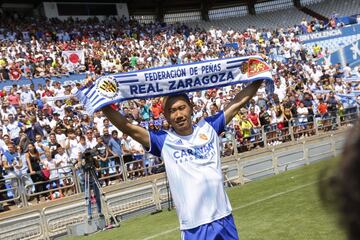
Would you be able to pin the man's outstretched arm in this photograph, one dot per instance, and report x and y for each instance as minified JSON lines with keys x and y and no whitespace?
{"x":138,"y":133}
{"x":240,"y":99}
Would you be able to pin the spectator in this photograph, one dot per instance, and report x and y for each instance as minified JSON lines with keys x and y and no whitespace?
{"x":13,"y":98}
{"x":144,"y":110}
{"x":116,"y":152}
{"x":13,"y":128}
{"x":332,"y":106}
{"x":103,"y":159}
{"x":71,"y":145}
{"x":302,"y":118}
{"x":63,"y":163}
{"x":90,"y":140}
{"x":245,"y":127}
{"x":27,"y":96}
{"x":53,"y":145}
{"x":33,"y":162}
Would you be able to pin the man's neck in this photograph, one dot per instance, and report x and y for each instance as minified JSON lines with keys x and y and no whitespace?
{"x":185,"y":132}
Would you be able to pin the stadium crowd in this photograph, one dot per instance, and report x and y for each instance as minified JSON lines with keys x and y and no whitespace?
{"x":44,"y":129}
{"x":32,"y":48}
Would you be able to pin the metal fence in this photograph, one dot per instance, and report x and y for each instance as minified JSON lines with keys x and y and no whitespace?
{"x":150,"y":193}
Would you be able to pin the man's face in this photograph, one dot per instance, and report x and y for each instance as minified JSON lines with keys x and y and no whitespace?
{"x":11,"y":148}
{"x":6,"y":139}
{"x":82,"y":141}
{"x":60,"y":150}
{"x":178,"y":114}
{"x":213,"y":109}
{"x":115,"y":135}
{"x":52,"y":138}
{"x":106,"y":132}
{"x":72,"y":136}
{"x":38,"y":138}
{"x":89,"y":134}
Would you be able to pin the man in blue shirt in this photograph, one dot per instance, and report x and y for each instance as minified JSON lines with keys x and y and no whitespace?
{"x":115,"y":148}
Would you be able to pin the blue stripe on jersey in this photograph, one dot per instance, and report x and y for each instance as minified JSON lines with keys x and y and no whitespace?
{"x":217,"y":121}
{"x":157,"y":140}
{"x":223,"y":229}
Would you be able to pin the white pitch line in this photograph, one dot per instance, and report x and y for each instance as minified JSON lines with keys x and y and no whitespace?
{"x":242,"y":206}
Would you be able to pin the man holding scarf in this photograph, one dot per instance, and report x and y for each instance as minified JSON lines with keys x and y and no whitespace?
{"x":192,"y":158}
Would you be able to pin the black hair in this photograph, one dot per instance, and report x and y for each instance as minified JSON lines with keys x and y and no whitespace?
{"x":342,"y":189}
{"x":179,"y":95}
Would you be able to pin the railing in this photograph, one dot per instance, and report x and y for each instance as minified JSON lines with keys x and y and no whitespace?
{"x":150,"y":193}
{"x":297,"y":129}
{"x":12,"y":191}
{"x":18,"y":189}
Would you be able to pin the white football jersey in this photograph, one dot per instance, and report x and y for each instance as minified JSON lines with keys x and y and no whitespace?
{"x":193,"y":168}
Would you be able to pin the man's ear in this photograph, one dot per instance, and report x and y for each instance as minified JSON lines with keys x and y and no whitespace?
{"x":192,"y":105}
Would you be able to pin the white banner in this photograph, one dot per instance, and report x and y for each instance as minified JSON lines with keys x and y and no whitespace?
{"x":74,"y":57}
{"x":174,"y":79}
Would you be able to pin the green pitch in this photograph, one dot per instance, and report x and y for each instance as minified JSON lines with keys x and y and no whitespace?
{"x":285,"y":206}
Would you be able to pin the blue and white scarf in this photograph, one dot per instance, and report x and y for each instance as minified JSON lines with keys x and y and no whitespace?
{"x":162,"y":81}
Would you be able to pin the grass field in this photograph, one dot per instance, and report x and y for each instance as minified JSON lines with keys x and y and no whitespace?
{"x":285,"y":206}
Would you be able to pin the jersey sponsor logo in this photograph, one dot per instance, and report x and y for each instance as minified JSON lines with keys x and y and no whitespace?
{"x":195,"y":154}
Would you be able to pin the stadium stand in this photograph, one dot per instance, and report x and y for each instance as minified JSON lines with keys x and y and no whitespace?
{"x":266,"y":20}
{"x":331,"y":8}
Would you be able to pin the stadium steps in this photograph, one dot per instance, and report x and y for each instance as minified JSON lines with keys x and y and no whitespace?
{"x":269,"y":20}
{"x":314,"y":14}
{"x":341,"y":8}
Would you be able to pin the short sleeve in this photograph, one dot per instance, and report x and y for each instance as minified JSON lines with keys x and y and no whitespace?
{"x":157,"y":140}
{"x":217,"y":121}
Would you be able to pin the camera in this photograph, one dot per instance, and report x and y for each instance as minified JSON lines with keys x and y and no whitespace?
{"x":89,"y":160}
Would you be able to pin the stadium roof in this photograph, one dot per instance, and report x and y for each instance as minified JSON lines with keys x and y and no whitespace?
{"x":158,"y":6}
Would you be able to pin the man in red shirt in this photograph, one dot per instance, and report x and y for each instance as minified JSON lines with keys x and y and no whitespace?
{"x":323,"y":110}
{"x":15,"y":73}
{"x":156,"y":108}
{"x":254,"y":118}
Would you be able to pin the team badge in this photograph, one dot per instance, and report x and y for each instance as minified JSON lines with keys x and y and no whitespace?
{"x":107,"y":87}
{"x":203,"y":136}
{"x":256,"y":66}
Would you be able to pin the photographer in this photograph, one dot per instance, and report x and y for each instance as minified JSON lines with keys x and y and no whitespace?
{"x":88,"y":165}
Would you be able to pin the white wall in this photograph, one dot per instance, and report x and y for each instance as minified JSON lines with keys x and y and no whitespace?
{"x":51,"y":11}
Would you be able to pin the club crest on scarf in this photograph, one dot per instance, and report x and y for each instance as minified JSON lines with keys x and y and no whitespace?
{"x":253,"y":67}
{"x":107,"y":87}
